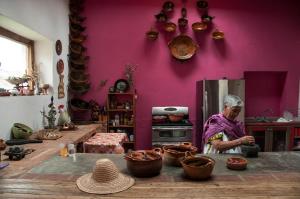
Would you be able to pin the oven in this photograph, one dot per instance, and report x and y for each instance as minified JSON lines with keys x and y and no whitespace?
{"x":166,"y":132}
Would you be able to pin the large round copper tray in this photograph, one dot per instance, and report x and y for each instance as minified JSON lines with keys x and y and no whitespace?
{"x":183,"y":47}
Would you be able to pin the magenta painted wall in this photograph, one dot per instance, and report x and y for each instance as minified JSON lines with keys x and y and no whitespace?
{"x":260,"y":36}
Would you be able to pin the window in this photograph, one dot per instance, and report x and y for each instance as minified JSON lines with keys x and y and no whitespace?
{"x":16,"y":57}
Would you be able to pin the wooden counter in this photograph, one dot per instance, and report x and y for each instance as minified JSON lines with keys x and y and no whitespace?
{"x":271,"y":175}
{"x":46,"y":149}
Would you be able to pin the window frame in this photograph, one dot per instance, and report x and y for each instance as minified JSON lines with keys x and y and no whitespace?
{"x":27,"y":42}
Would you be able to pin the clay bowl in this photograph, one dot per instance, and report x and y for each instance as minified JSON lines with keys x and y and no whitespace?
{"x":173,"y":154}
{"x":144,"y":163}
{"x":218,"y":35}
{"x":170,"y":27}
{"x":2,"y":145}
{"x":198,"y":168}
{"x":199,"y":26}
{"x":235,"y":163}
{"x":152,"y":34}
{"x":182,"y":47}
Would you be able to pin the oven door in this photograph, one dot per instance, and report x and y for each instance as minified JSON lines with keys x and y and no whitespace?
{"x":171,"y":134}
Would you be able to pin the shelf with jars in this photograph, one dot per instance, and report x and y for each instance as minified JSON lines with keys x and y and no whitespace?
{"x":121,"y":115}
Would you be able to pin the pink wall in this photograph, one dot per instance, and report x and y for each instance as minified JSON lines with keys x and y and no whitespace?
{"x":263,"y":91}
{"x":260,"y":36}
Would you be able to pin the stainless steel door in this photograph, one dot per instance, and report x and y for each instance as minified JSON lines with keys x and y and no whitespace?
{"x":214,"y":92}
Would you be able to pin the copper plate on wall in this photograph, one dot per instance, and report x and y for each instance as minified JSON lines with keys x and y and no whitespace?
{"x":60,"y":66}
{"x":58,"y":47}
{"x":183,"y":47}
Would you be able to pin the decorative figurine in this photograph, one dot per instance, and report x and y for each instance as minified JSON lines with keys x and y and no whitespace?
{"x":51,"y":115}
{"x":63,"y":117}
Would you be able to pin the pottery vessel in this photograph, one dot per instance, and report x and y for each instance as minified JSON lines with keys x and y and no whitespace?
{"x":197,"y":168}
{"x":144,"y":163}
{"x":173,"y":154}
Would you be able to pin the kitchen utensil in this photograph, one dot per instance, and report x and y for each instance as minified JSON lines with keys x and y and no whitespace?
{"x":170,"y":27}
{"x":250,"y":150}
{"x":199,"y":26}
{"x":168,"y":6}
{"x":144,"y":163}
{"x":21,"y":141}
{"x":173,"y":154}
{"x":197,"y":168}
{"x":152,"y":34}
{"x":218,"y":35}
{"x":182,"y":47}
{"x":21,"y":131}
{"x":175,"y":117}
{"x":236,"y":163}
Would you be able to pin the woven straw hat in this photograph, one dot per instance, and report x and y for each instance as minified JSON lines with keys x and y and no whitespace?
{"x":105,"y":179}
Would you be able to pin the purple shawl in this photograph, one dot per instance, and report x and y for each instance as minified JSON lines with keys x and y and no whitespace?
{"x":219,"y":123}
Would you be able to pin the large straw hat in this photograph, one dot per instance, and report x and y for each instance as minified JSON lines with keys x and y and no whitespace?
{"x":105,"y":179}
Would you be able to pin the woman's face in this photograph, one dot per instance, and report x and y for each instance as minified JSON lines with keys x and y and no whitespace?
{"x":231,"y":112}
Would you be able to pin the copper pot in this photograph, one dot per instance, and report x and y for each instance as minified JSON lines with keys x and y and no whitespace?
{"x":144,"y":163}
{"x":173,"y":154}
{"x":197,"y":168}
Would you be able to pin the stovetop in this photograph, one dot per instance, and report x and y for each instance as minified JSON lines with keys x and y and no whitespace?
{"x":184,"y":122}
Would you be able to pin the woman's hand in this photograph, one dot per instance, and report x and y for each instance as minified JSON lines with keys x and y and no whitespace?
{"x":247,"y":140}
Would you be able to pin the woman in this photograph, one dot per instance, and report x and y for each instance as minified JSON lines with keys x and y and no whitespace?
{"x":222,"y":132}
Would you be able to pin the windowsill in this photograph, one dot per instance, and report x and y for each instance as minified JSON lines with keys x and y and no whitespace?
{"x":22,"y":96}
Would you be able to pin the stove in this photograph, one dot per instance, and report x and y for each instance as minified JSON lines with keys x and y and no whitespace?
{"x":166,"y":132}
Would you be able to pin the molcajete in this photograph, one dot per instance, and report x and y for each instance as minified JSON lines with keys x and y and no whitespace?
{"x":250,"y":150}
{"x":173,"y":154}
{"x":144,"y":163}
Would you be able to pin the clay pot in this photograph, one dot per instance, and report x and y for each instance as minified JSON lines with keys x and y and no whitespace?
{"x":235,"y":163}
{"x":199,"y":26}
{"x":152,"y":34}
{"x":197,"y":168}
{"x":173,"y":154}
{"x":175,"y":117}
{"x":2,"y":145}
{"x":170,"y":27}
{"x":144,"y":163}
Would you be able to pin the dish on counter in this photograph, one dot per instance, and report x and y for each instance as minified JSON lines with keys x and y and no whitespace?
{"x":236,"y":163}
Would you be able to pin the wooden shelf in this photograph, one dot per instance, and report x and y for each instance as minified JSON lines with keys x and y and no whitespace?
{"x":126,"y":116}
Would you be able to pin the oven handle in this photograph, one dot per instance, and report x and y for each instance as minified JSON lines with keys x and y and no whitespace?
{"x":172,"y":128}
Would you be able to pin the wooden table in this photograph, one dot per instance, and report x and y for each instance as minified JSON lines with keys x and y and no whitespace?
{"x":46,"y":150}
{"x":271,"y":175}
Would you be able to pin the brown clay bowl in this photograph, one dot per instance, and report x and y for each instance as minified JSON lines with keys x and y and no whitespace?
{"x":198,"y":168}
{"x":235,"y":163}
{"x":144,"y":163}
{"x":173,"y":154}
{"x":183,"y":47}
{"x":152,"y":34}
{"x":170,"y":27}
{"x":199,"y":26}
{"x":218,"y":35}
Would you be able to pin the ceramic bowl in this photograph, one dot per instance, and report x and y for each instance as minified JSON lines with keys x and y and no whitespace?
{"x":236,"y":163}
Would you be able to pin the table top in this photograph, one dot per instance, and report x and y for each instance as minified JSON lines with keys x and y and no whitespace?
{"x":271,"y":175}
